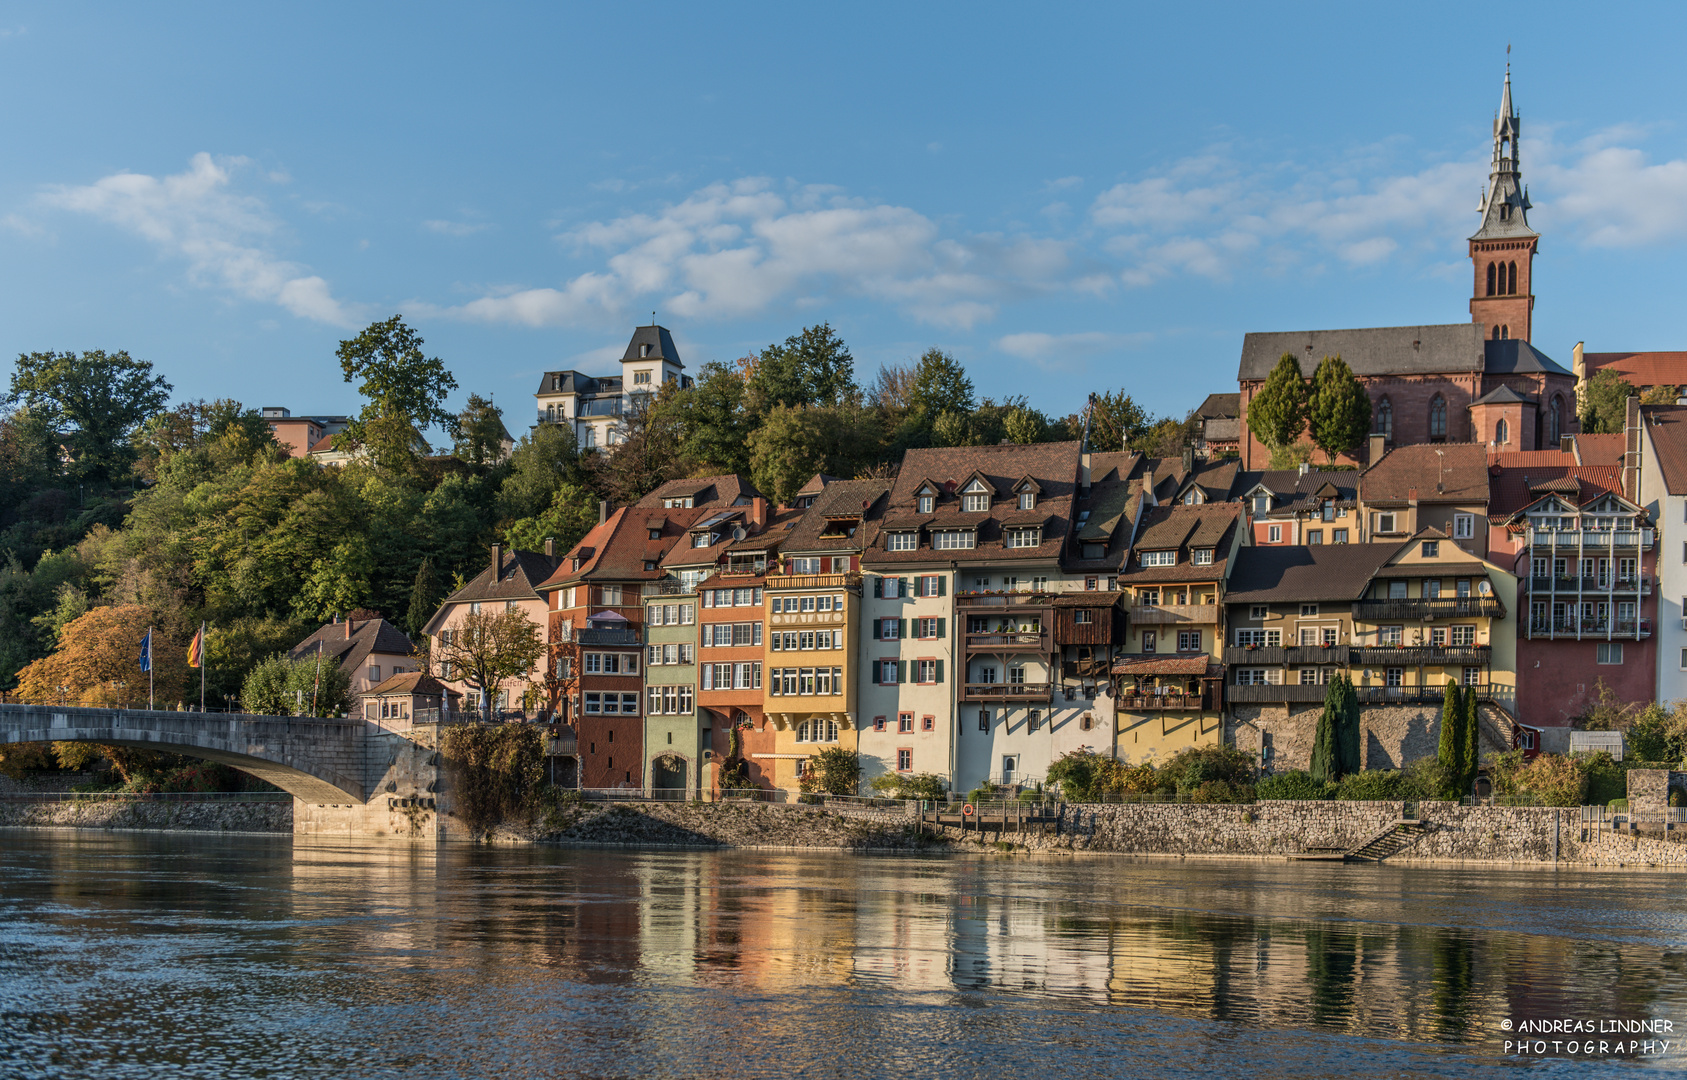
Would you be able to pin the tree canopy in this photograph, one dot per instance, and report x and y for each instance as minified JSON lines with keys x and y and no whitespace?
{"x":1603,"y":409}
{"x":1277,"y":413}
{"x":404,"y":391}
{"x":1339,"y":409}
{"x":91,"y":403}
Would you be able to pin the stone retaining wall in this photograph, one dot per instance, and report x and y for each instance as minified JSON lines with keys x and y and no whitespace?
{"x":734,"y":824}
{"x":207,"y":816}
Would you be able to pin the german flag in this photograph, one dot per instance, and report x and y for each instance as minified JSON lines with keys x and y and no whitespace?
{"x":196,"y":649}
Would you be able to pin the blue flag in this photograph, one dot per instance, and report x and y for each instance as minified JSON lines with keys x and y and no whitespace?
{"x":146,"y":652}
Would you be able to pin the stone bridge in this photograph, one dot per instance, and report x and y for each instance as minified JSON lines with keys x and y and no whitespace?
{"x":346,"y":776}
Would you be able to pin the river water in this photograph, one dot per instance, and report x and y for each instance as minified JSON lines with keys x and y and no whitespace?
{"x":159,"y":955}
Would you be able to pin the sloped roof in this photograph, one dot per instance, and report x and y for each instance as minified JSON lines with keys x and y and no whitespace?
{"x":1501,"y":395}
{"x":1182,"y":528}
{"x":412,"y":682}
{"x":661,"y":345}
{"x":1511,"y":356}
{"x":1511,"y":489}
{"x":1461,"y":469}
{"x":1318,"y":572}
{"x":1219,"y":406}
{"x":618,"y":548}
{"x":1385,"y":350}
{"x":1113,"y":507}
{"x":862,"y":499}
{"x":1114,"y":465}
{"x":1293,"y":490}
{"x":1173,"y":664}
{"x":1222,"y":429}
{"x":1640,"y":369}
{"x":1666,"y":426}
{"x":351,"y":643}
{"x":728,"y":489}
{"x":1601,"y":449}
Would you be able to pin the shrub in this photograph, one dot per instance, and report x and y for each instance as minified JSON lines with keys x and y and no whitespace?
{"x":1189,"y":769}
{"x":1619,"y":806}
{"x":1297,"y":784}
{"x":833,"y":771}
{"x":1429,"y":778}
{"x":1607,"y":778}
{"x":1221,"y":791}
{"x":498,"y":772}
{"x":927,"y":786}
{"x":1373,"y":785}
{"x":1081,"y":774}
{"x":1554,"y":779}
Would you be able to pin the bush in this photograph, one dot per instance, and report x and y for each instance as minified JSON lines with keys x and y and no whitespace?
{"x":983,"y":794}
{"x":1554,"y":779}
{"x":1221,"y":791}
{"x":926,"y":786}
{"x":1372,"y":785}
{"x":1619,"y":806}
{"x":309,"y":687}
{"x":833,"y":771}
{"x":498,"y":772}
{"x":1189,"y":769}
{"x":1607,"y":778}
{"x":1428,"y":778}
{"x":1297,"y":784}
{"x":1081,"y":774}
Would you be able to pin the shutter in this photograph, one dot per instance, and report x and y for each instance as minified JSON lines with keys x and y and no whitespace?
{"x":879,"y":587}
{"x":878,"y":630}
{"x":902,"y":671}
{"x":941,"y":627}
{"x":902,"y":629}
{"x":902,"y":587}
{"x":942,"y":583}
{"x":940,"y":671}
{"x":877,"y":666}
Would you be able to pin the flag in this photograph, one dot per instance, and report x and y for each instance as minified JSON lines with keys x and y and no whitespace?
{"x":146,"y":652}
{"x":196,"y":649}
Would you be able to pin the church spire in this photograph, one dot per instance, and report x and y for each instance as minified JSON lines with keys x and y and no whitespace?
{"x":1505,"y":203}
{"x":1503,"y":250}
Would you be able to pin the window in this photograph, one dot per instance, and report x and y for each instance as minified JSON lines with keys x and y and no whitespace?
{"x":928,"y":585}
{"x":805,"y":566}
{"x":975,"y":499}
{"x":1396,"y":676}
{"x":928,"y":723}
{"x":1089,"y":584}
{"x":641,"y":378}
{"x":1201,"y":556}
{"x":925,"y":503}
{"x":1274,"y":534}
{"x":952,"y":539}
{"x":1309,"y":611}
{"x":1501,"y":432}
{"x":1383,"y":421}
{"x":374,"y":673}
{"x":905,"y":723}
{"x":902,"y":541}
{"x":1158,"y":558}
{"x":1431,"y":549}
{"x":1259,"y":677}
{"x":1438,"y":418}
{"x":1390,"y":635}
{"x":1464,"y":526}
{"x":1259,"y":611}
{"x":1150,"y":641}
{"x":1034,"y":720}
{"x":1610,"y":652}
{"x":1083,"y":617}
{"x":1027,"y":500}
{"x":1188,"y":641}
{"x":1024,"y":538}
{"x":878,"y":723}
{"x":1270,"y":638}
{"x":984,"y":714}
{"x":1328,"y":511}
{"x":1315,"y":536}
{"x":1308,"y":636}
{"x":904,"y":760}
{"x":1339,"y":536}
{"x":925,"y":671}
{"x":1016,"y":675}
{"x":888,"y":672}
{"x":890,"y":629}
{"x":1554,"y":421}
{"x":1262,"y":504}
{"x":1473,"y":676}
{"x":1384,"y":523}
{"x":1397,"y":590}
{"x":1464,"y":636}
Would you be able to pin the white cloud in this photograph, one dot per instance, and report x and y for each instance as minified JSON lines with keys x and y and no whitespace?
{"x":455,"y":228}
{"x":1616,"y":198}
{"x":1068,"y":352}
{"x":736,"y":249}
{"x":223,"y":236}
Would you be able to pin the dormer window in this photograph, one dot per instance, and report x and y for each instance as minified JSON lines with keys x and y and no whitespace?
{"x":656,"y":534}
{"x":975,"y":498}
{"x":925,"y":504}
{"x":1262,"y":504}
{"x":1201,"y":556}
{"x":1158,"y":558}
{"x":1027,"y":500}
{"x":1024,"y":538}
{"x":902,"y":541}
{"x":643,"y":351}
{"x":701,"y":540}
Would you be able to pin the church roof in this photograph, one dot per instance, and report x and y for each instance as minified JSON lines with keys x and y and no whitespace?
{"x":1374,"y":351}
{"x":1515,"y":356}
{"x":1502,"y":395}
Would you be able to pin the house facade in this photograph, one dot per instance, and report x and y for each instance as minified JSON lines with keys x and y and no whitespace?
{"x":592,"y":405}
{"x":369,"y":651}
{"x":509,"y":582}
{"x":1659,"y":432}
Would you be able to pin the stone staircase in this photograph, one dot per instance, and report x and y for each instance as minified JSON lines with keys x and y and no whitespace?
{"x":1496,"y":727}
{"x":1391,"y":840}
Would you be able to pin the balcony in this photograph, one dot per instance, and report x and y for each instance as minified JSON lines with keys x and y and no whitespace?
{"x":982,"y":598}
{"x":1086,"y":669}
{"x":1593,"y":539}
{"x":1036,"y":641}
{"x":813,"y":581}
{"x":1167,"y":702}
{"x":608,"y":637}
{"x":669,"y":587}
{"x":1426,"y":695}
{"x":1591,"y":630}
{"x":611,"y":407}
{"x":1164,"y":614}
{"x":1275,"y":693}
{"x":1487,"y":607}
{"x":1295,"y":654}
{"x":1641,"y":584}
{"x":1025,"y":692}
{"x":1422,"y":655}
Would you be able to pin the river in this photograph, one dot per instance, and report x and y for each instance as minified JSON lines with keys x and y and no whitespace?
{"x":179,"y":955}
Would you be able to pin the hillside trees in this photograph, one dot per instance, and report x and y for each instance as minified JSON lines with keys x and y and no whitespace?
{"x":404,"y":391}
{"x":98,"y":662}
{"x":91,"y":403}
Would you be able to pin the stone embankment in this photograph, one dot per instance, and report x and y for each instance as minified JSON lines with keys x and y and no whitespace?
{"x":223,"y":815}
{"x":734,"y":824}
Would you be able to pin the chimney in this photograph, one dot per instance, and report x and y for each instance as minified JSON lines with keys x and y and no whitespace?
{"x":1084,"y":471}
{"x":1188,"y":459}
{"x":1631,"y":450}
{"x":602,"y":511}
{"x":497,"y":561}
{"x":349,"y":624}
{"x":758,"y":510}
{"x":1305,"y":468}
{"x":1148,"y":486}
{"x":550,"y":547}
{"x":1567,"y":443}
{"x":1379,"y":447}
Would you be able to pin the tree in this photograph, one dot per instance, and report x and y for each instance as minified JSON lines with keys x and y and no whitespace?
{"x":1352,"y":721}
{"x":98,"y":662}
{"x":1025,"y":425}
{"x":1167,"y":437}
{"x":309,"y":686}
{"x":811,"y":368}
{"x":940,"y":385}
{"x":1470,"y":729}
{"x":571,"y":515}
{"x":833,"y":771}
{"x":1603,"y":409}
{"x":716,"y":423}
{"x":795,"y":443}
{"x":225,"y":431}
{"x":543,"y":461}
{"x":1661,"y":395}
{"x":91,"y":403}
{"x":1277,"y":414}
{"x":893,"y":389}
{"x":1117,"y":422}
{"x":951,"y":429}
{"x":649,"y":452}
{"x":424,"y":598}
{"x":481,"y":434}
{"x":487,"y":649}
{"x":1450,"y":745}
{"x":1339,"y":410}
{"x":1326,"y":740}
{"x":405,"y":391}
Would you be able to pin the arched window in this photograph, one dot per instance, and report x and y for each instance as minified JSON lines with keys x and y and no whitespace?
{"x":1511,"y":280}
{"x":1384,"y":425}
{"x":1554,"y":421}
{"x":1501,"y":434}
{"x":1491,"y":279}
{"x":1438,"y":418}
{"x":1505,"y":333}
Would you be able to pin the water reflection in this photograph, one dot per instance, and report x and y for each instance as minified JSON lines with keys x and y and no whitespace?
{"x":152,"y":955}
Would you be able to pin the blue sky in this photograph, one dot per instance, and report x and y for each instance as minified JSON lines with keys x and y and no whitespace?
{"x":1067,"y":197}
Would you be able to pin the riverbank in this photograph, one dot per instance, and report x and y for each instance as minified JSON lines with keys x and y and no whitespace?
{"x":223,"y":815}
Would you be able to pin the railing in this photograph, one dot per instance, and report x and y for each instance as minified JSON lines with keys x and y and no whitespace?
{"x":1374,"y":610}
{"x":1592,"y":628}
{"x":1641,"y":583}
{"x":1424,"y":654}
{"x":813,"y":581}
{"x":1593,"y":538}
{"x":1170,"y":702}
{"x":668,"y":587}
{"x":983,"y":598}
{"x":611,"y":407}
{"x":1294,"y":654}
{"x":1025,"y":641}
{"x":1255,"y":693}
{"x":1157,"y":614}
{"x":1425,"y":695}
{"x":149,"y":796}
{"x":1029,"y":691}
{"x":608,"y":637}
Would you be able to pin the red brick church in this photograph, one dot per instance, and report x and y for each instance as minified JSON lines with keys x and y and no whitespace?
{"x":1480,"y":381}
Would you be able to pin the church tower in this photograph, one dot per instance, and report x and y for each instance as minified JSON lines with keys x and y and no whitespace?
{"x":1503,"y":249}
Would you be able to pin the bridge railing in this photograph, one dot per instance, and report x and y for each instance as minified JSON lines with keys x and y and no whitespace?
{"x":148,"y":796}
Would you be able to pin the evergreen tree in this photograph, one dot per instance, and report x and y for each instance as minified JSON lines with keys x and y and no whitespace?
{"x":1326,"y":752}
{"x":1352,"y":753}
{"x":1277,"y":413}
{"x":1604,"y":403}
{"x":1339,"y":409}
{"x":1472,"y":733}
{"x":1450,"y":746}
{"x":424,"y":598}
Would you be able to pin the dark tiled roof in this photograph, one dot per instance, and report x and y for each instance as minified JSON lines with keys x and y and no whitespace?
{"x":412,"y":682}
{"x":729,"y":489}
{"x":1461,"y":470}
{"x":1114,"y":465}
{"x":1316,"y":572}
{"x":366,"y":636}
{"x":1220,"y":406}
{"x":661,"y":345}
{"x":862,"y":499}
{"x":1182,"y":528}
{"x":1666,"y":426}
{"x":1054,"y":465}
{"x":1293,"y":490}
{"x":1113,"y":507}
{"x":1385,"y":350}
{"x":1501,"y":394}
{"x":1514,"y":356}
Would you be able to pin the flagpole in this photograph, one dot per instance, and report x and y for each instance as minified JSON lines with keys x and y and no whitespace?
{"x":202,"y":662}
{"x":150,"y":704}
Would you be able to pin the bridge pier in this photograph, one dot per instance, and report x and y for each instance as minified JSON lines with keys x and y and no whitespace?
{"x":406,"y":801}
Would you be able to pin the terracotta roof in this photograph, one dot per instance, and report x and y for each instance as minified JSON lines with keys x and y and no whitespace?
{"x":1666,"y":426}
{"x":366,"y":636}
{"x":412,"y":682}
{"x":1182,"y":528}
{"x":1510,"y":489}
{"x":1460,"y":468}
{"x":617,"y":549}
{"x":1293,"y":490}
{"x":1316,"y":572}
{"x":1531,"y":459}
{"x":1053,"y":465}
{"x":1601,"y":449}
{"x":861,"y":499}
{"x":1194,"y":664}
{"x":1640,"y":369}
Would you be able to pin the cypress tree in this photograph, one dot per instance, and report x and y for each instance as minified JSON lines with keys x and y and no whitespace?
{"x":424,"y":598}
{"x":1450,"y":747}
{"x":1472,"y":740}
{"x":1352,"y":752}
{"x":1326,"y":752}
{"x":1338,"y":409}
{"x":1277,"y":413}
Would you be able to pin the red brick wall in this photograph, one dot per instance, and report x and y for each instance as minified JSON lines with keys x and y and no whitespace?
{"x":1510,"y":310}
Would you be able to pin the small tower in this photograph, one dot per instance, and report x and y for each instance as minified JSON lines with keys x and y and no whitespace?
{"x":1503,"y":249}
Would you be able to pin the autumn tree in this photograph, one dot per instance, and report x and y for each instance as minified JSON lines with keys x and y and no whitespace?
{"x":1277,"y":414}
{"x":404,"y":391}
{"x":486,"y":649}
{"x":1603,"y":409}
{"x":91,"y":403}
{"x":97,"y":662}
{"x":1661,"y":395}
{"x":1339,"y":409}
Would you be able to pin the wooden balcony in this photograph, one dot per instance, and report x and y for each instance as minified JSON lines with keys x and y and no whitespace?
{"x":1028,"y":693}
{"x":1164,"y":614}
{"x":1274,"y":694}
{"x":1270,"y":655}
{"x":1486,"y":607}
{"x":966,"y":599}
{"x":1030,"y":641}
{"x":1168,"y":702}
{"x":1425,"y":695}
{"x":1422,"y":655}
{"x":813,"y":581}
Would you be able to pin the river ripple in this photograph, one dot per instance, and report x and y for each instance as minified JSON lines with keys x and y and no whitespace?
{"x":151,"y":955}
